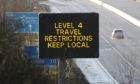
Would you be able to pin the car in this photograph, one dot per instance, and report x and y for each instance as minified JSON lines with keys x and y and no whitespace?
{"x":117,"y":34}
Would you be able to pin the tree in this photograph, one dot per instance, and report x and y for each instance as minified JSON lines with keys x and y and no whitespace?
{"x":15,"y":67}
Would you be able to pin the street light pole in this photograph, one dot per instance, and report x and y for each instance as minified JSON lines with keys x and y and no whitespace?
{"x":61,"y":70}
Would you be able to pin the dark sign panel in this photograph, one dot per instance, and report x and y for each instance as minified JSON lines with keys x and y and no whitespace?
{"x":69,"y":35}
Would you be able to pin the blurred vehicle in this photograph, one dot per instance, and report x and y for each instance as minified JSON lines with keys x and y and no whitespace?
{"x":117,"y":34}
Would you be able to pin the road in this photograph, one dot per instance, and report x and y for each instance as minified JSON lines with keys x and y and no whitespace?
{"x":119,"y":57}
{"x":129,"y":6}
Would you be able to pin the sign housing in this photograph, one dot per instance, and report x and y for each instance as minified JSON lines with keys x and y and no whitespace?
{"x":69,"y":35}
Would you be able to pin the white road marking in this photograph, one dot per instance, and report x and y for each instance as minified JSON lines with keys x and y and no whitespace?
{"x":105,"y":70}
{"x":119,"y":12}
{"x":125,"y":60}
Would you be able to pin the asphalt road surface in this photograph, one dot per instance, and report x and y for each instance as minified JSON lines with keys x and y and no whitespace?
{"x":120,"y":57}
{"x":129,"y":6}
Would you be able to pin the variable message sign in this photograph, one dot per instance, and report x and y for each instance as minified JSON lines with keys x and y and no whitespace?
{"x":69,"y":35}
